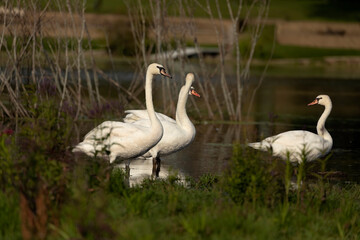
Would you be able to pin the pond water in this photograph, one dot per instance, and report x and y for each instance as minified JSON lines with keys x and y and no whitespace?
{"x":280,"y":105}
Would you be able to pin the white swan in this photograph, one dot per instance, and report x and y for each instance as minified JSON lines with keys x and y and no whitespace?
{"x":299,"y":144}
{"x":126,"y":140}
{"x":178,"y":133}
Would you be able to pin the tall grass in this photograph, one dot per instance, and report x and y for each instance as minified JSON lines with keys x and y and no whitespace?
{"x":46,"y":50}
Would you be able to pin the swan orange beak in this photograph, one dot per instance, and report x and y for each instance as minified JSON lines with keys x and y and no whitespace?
{"x":313,"y":102}
{"x":193,"y":92}
{"x":163,"y":72}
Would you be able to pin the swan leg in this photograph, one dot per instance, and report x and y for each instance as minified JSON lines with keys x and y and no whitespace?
{"x":156,"y":167}
{"x":127,"y":173}
{"x":127,"y":168}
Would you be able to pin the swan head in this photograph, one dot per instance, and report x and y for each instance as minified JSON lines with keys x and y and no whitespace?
{"x":321,"y":100}
{"x":193,"y":92}
{"x":189,"y":80}
{"x":158,"y":69}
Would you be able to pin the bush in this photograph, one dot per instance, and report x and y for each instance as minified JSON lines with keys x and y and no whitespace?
{"x":34,"y":163}
{"x":251,"y":179}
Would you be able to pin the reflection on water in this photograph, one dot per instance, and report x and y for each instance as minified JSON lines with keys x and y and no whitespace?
{"x":212,"y":149}
{"x":141,"y":169}
{"x":212,"y":154}
{"x":281,"y":105}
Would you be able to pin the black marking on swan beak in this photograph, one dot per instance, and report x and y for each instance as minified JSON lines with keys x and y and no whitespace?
{"x":163,"y":72}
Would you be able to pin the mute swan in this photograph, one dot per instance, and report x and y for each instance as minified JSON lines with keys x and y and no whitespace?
{"x":300,"y":143}
{"x":177,"y":134}
{"x":126,"y":140}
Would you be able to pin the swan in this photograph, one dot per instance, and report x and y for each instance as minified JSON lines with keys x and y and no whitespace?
{"x":178,"y":133}
{"x":299,"y":144}
{"x":126,"y":140}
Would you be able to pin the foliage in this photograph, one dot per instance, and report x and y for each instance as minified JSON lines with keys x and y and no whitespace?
{"x":289,"y":10}
{"x":9,"y":217}
{"x":202,"y":209}
{"x":168,"y":209}
{"x":250,"y":178}
{"x":121,"y":42}
{"x":33,"y":164}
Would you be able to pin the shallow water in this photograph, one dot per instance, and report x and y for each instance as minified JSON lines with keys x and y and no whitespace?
{"x":280,"y":105}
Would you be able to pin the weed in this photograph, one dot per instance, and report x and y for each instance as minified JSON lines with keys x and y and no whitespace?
{"x":250,"y":179}
{"x":33,"y":164}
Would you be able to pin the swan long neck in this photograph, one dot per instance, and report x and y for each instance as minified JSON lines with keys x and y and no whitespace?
{"x":148,"y":99}
{"x":182,"y":118}
{"x":321,"y":130}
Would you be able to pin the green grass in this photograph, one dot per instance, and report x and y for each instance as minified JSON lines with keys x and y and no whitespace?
{"x":247,"y":202}
{"x":107,"y":6}
{"x":172,"y":7}
{"x":333,"y":10}
{"x":9,"y":217}
{"x":292,"y":10}
{"x":164,"y":209}
{"x":287,"y":51}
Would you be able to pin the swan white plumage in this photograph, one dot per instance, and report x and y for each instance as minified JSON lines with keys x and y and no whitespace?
{"x":299,"y":144}
{"x":126,"y":140}
{"x":178,"y":133}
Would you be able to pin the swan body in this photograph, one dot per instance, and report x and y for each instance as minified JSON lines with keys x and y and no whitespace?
{"x":126,"y":140}
{"x":297,"y":145}
{"x":178,"y":133}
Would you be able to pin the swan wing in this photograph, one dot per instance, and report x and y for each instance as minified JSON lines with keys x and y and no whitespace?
{"x":294,"y":138}
{"x":137,"y":115}
{"x":114,"y":128}
{"x":299,"y":143}
{"x":174,"y":138}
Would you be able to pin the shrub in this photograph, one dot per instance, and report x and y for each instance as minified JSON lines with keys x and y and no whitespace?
{"x":251,"y":179}
{"x":34,"y":163}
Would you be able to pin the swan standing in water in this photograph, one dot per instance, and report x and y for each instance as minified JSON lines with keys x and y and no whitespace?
{"x":126,"y":140}
{"x":299,"y":143}
{"x":178,"y":133}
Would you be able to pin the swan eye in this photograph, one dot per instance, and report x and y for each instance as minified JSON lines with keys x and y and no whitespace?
{"x":161,"y":69}
{"x":318,"y":98}
{"x":163,"y":72}
{"x":190,"y":90}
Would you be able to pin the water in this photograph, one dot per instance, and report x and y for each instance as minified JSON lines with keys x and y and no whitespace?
{"x":280,"y":105}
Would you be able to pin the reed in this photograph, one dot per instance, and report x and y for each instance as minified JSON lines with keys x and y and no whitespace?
{"x":47,"y":48}
{"x":158,"y":37}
